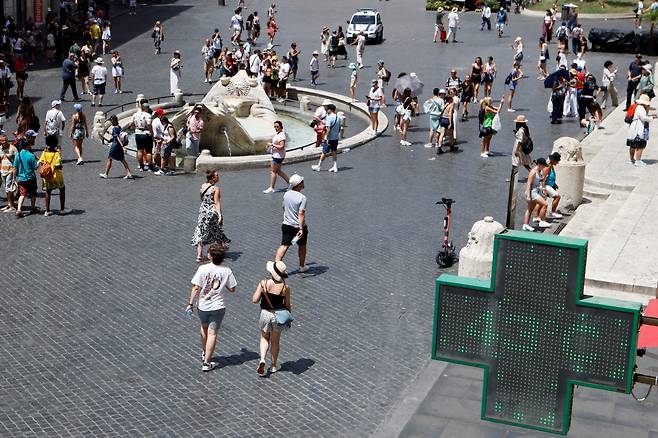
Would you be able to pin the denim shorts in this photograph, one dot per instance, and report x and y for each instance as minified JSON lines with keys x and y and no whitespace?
{"x":212,"y":318}
{"x":277,"y":160}
{"x":329,"y":146}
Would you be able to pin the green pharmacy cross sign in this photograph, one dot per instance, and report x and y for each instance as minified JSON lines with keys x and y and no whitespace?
{"x":533,"y":331}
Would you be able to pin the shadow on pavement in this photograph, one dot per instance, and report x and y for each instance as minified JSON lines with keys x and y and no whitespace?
{"x":298,"y":366}
{"x":235,"y":359}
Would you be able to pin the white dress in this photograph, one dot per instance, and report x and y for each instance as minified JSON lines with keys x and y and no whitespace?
{"x":174,"y":79}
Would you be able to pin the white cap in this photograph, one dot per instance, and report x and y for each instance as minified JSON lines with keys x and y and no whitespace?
{"x":54,"y":103}
{"x":326,"y":102}
{"x":294,"y":181}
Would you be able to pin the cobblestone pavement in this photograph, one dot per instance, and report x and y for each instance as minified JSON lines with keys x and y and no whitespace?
{"x":93,"y":339}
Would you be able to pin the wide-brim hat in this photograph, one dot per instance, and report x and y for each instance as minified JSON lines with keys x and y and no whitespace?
{"x":643,"y":100}
{"x":520,"y":119}
{"x":294,"y":181}
{"x":647,"y":67}
{"x":278,"y":270}
{"x":99,"y":60}
{"x":326,"y":102}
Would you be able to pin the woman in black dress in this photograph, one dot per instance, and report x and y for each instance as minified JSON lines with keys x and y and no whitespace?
{"x":476,"y":77}
{"x":342,"y":50}
{"x":83,"y":73}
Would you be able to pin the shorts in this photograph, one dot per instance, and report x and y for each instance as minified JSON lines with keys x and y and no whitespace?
{"x":500,"y":26}
{"x":167,"y":149}
{"x":534,"y":194}
{"x":212,"y":318}
{"x":267,"y":323}
{"x":434,"y":123}
{"x":315,"y":72}
{"x":288,"y":232}
{"x":373,"y":109}
{"x":8,"y":180}
{"x":277,"y":160}
{"x":99,"y":89}
{"x":144,"y":142}
{"x":329,"y":146}
{"x":27,"y":188}
{"x":78,"y":134}
{"x":551,"y":192}
{"x":283,"y":84}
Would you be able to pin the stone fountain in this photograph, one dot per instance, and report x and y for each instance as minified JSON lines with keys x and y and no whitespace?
{"x":238,"y":117}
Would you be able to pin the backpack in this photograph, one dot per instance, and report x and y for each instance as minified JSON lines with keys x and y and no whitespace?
{"x":508,"y":79}
{"x":630,"y":114}
{"x":561,"y":33}
{"x":51,"y":125}
{"x":46,"y":171}
{"x":527,"y":145}
{"x":387,"y":76}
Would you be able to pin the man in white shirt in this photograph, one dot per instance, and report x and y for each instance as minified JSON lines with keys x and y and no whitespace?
{"x":293,"y":228}
{"x":608,"y":86}
{"x":236,"y":25}
{"x":210,"y":284}
{"x":99,"y":76}
{"x":254,"y":63}
{"x":453,"y":25}
{"x":486,"y":18}
{"x":143,"y":137}
{"x":55,"y":121}
{"x":284,"y":72}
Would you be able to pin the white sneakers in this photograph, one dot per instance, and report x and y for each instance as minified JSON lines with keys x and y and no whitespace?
{"x":405,"y":143}
{"x":640,"y":163}
{"x":544,"y":224}
{"x":556,"y":215}
{"x":316,"y":167}
{"x":302,"y":269}
{"x":334,"y":168}
{"x":484,"y":155}
{"x":429,"y":145}
{"x":268,"y":190}
{"x":540,"y":224}
{"x":527,"y":227}
{"x":103,"y":175}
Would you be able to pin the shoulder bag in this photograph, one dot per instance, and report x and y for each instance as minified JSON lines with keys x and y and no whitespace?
{"x":46,"y":170}
{"x":282,"y":317}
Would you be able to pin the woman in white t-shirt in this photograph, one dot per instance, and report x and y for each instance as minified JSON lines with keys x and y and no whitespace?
{"x":375,"y":98}
{"x":278,"y":148}
{"x":210,"y":284}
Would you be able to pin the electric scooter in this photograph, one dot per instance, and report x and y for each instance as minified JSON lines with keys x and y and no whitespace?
{"x":446,"y":257}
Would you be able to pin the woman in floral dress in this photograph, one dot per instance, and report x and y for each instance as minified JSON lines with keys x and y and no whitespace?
{"x":210,"y":221}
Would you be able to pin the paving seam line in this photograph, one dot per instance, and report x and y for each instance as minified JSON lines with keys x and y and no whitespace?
{"x":410,"y":400}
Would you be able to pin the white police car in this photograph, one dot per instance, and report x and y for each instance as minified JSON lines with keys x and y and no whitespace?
{"x":369,"y":21}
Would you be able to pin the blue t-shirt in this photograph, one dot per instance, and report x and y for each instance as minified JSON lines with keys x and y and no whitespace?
{"x":25,"y":164}
{"x":333,"y":125}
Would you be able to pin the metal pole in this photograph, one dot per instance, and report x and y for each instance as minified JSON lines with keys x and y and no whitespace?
{"x":511,"y":199}
{"x":648,"y":320}
{"x":643,"y":378}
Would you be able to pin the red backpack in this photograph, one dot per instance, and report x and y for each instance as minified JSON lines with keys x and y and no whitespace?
{"x":630,"y":113}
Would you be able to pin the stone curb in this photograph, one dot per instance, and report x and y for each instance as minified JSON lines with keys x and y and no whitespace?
{"x":315,"y":97}
{"x":622,"y":16}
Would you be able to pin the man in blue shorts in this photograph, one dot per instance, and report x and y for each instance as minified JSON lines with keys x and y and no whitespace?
{"x":332,"y":135}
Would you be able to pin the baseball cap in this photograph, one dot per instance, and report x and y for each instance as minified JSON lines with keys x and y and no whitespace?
{"x":294,"y":181}
{"x":55,"y":102}
{"x":159,"y":112}
{"x":30,"y":133}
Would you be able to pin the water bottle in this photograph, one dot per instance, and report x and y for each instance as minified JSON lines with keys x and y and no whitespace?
{"x":294,"y":240}
{"x":188,"y":313}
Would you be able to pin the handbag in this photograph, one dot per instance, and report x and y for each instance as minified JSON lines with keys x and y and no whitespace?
{"x":282,"y":317}
{"x":495,"y":123}
{"x":46,"y":171}
{"x":12,"y":187}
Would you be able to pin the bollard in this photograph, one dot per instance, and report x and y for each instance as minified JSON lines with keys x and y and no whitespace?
{"x":304,"y":103}
{"x":475,"y":259}
{"x":203,"y":163}
{"x":570,"y":173}
{"x":98,"y":128}
{"x":343,"y":123}
{"x":178,"y":97}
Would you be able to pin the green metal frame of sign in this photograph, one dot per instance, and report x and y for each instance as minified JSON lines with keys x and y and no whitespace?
{"x":488,"y":287}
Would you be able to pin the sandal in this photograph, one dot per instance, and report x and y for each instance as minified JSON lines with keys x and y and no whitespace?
{"x":261,"y":369}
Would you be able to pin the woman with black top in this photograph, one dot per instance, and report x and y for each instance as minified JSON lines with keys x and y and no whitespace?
{"x":476,"y":76}
{"x":467,"y":95}
{"x":83,"y":72}
{"x":273,"y":295}
{"x":342,"y":50}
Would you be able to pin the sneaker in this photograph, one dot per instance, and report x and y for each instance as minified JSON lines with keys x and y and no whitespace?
{"x":129,"y":176}
{"x":116,"y":91}
{"x":64,"y":212}
{"x":536,"y":219}
{"x":484,"y":155}
{"x":544,"y":224}
{"x":208,"y":366}
{"x":273,"y":369}
{"x":510,"y":110}
{"x":140,"y":169}
{"x":103,"y":175}
{"x":640,"y":163}
{"x":556,"y":215}
{"x":334,"y":169}
{"x":302,"y":269}
{"x":407,"y":143}
{"x":631,"y":162}
{"x":429,"y":145}
{"x":48,"y":213}
{"x":402,"y":142}
{"x":527,"y":227}
{"x":268,"y":190}
{"x":80,"y":162}
{"x":261,"y":369}
{"x":316,"y":167}
{"x":159,"y":172}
